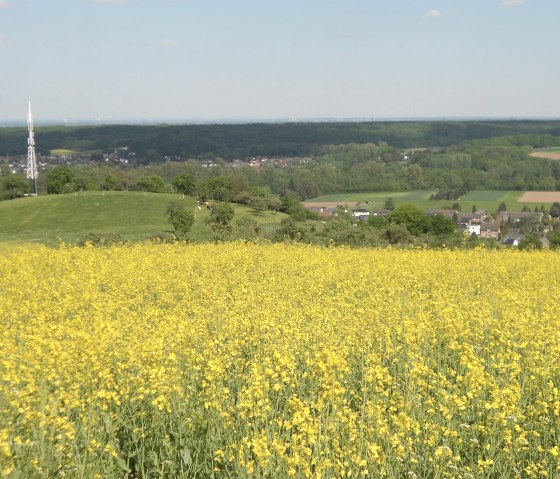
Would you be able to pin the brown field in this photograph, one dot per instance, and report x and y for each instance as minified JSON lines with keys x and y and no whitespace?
{"x":327,"y":204}
{"x":539,"y":197}
{"x":550,"y":155}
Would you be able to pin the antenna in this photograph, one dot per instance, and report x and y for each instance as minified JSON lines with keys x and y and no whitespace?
{"x":31,"y":170}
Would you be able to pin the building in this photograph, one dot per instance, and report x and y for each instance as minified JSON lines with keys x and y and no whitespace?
{"x":490,"y":230}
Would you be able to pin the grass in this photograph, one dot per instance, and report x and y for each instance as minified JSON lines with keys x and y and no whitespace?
{"x":547,"y":149}
{"x":134,"y":215}
{"x":489,"y":200}
{"x":62,"y":152}
{"x":201,"y":231}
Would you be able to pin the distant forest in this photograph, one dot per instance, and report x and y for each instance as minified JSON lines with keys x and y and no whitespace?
{"x":153,"y":143}
{"x":451,"y":158}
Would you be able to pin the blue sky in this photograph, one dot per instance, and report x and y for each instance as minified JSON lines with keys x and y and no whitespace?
{"x":270,"y":59}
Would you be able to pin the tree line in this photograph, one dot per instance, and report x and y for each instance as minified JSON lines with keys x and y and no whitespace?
{"x":153,"y":143}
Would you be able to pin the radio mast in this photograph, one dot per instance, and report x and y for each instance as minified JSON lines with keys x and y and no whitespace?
{"x":31,"y":170}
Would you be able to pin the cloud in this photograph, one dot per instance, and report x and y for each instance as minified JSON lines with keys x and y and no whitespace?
{"x":111,"y":2}
{"x":5,"y":4}
{"x":5,"y":42}
{"x":433,"y":14}
{"x":512,"y":3}
{"x":168,"y":42}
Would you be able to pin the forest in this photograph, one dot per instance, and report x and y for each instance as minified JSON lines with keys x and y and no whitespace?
{"x":230,"y":141}
{"x":304,"y":160}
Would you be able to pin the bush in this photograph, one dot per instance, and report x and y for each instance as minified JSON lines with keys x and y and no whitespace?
{"x":181,"y":219}
{"x":397,"y":234}
{"x":101,"y":239}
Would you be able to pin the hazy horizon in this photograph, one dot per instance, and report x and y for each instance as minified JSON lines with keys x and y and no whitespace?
{"x":186,"y":61}
{"x":245,"y":121}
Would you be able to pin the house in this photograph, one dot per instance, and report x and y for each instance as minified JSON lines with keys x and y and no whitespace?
{"x":316,"y":209}
{"x":511,"y":242}
{"x":360,"y":212}
{"x":512,"y":238}
{"x":320,"y":210}
{"x":471,"y":218}
{"x":530,"y":216}
{"x":503,"y":216}
{"x":490,"y":230}
{"x":382,"y":213}
{"x":470,"y":229}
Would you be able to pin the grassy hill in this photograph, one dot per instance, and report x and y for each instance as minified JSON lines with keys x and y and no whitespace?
{"x":134,"y":215}
{"x":488,"y":200}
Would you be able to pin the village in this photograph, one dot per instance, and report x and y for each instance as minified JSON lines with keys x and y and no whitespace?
{"x":507,"y":228}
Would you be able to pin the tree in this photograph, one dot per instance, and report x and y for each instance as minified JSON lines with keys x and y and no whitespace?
{"x":473,"y":209}
{"x":79,"y":183}
{"x":377,"y":221}
{"x":14,"y":186}
{"x":110,"y":183}
{"x":411,"y":217}
{"x":289,"y":203}
{"x":415,"y":177}
{"x":221,"y":214}
{"x":555,"y":210}
{"x":185,"y":184}
{"x":59,"y":180}
{"x":502,"y":207}
{"x":291,"y":206}
{"x":181,"y":219}
{"x":152,"y":184}
{"x":290,"y":230}
{"x":389,"y":204}
{"x":530,"y":242}
{"x":273,"y":203}
{"x":441,"y":225}
{"x":220,"y":221}
{"x":258,"y":204}
{"x":397,"y":234}
{"x":246,"y":228}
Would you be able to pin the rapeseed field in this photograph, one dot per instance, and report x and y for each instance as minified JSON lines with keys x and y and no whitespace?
{"x":278,"y":361}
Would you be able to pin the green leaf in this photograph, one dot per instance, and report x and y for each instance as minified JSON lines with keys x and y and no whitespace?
{"x":122,"y":464}
{"x":186,"y":455}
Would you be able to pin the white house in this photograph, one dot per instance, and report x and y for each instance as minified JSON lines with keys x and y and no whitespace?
{"x":473,"y":229}
{"x":360,"y":212}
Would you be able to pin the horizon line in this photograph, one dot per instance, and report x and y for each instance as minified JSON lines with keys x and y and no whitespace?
{"x":252,"y":120}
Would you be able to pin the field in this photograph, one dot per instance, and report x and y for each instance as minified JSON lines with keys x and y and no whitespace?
{"x":278,"y":361}
{"x":489,"y":200}
{"x":62,"y":152}
{"x":540,"y":197}
{"x":549,"y":153}
{"x":133,"y":215}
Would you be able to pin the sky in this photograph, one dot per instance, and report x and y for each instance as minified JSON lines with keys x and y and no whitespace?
{"x":279,"y":59}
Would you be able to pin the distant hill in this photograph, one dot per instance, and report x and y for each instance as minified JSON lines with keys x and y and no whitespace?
{"x":152,"y":143}
{"x":135,"y":216}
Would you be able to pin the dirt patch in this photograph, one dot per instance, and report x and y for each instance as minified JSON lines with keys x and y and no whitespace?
{"x":540,"y":197}
{"x":327,"y":204}
{"x":550,"y":155}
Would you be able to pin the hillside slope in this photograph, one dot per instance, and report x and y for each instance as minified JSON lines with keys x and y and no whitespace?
{"x":47,"y":219}
{"x":135,"y":216}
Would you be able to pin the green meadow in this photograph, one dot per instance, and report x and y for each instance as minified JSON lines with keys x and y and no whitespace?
{"x":488,"y":200}
{"x":62,"y":152}
{"x":136,"y":216}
